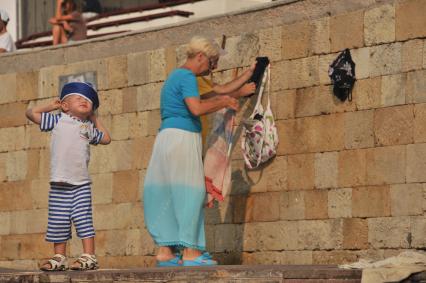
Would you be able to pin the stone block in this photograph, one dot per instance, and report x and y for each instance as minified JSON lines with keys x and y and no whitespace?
{"x":241,"y":51}
{"x":333,"y":258}
{"x":355,"y":234}
{"x":366,"y":93}
{"x":389,"y":232}
{"x":416,"y":87}
{"x":316,"y":204}
{"x":410,"y":20}
{"x":352,"y":168}
{"x":129,"y":99}
{"x":340,"y":203}
{"x":101,"y":159}
{"x":15,"y":191}
{"x":371,"y":201}
{"x":324,"y":63}
{"x":147,"y":123}
{"x":13,"y":114}
{"x":117,"y":71}
{"x":420,"y":123}
{"x":361,"y":57}
{"x":299,"y":73}
{"x":111,"y":102}
{"x":157,"y":65}
{"x":270,"y":43}
{"x":296,"y":40}
{"x":3,"y":174}
{"x":123,"y":262}
{"x":320,"y":36}
{"x":39,"y":191}
{"x":379,"y":25}
{"x":270,"y":177}
{"x":418,"y":231}
{"x":386,"y":165}
{"x":320,"y":234}
{"x":319,"y":101}
{"x":242,"y":208}
{"x":122,"y":155}
{"x":121,"y":126}
{"x":406,"y":199}
{"x":312,"y":134}
{"x":148,"y":97}
{"x":114,"y":216}
{"x":102,"y":188}
{"x":4,"y":224}
{"x":33,"y":164}
{"x":270,"y":236}
{"x":16,"y":165}
{"x":141,"y":152}
{"x":8,"y":88}
{"x":292,"y":205}
{"x":326,"y":170}
{"x":27,"y":85}
{"x":346,"y":31}
{"x":359,"y":131}
{"x":48,"y":81}
{"x":385,"y":59}
{"x":12,"y":139}
{"x":170,"y":54}
{"x":412,"y":55}
{"x":125,"y":186}
{"x":229,"y":238}
{"x":44,"y":167}
{"x":416,"y":165}
{"x":394,"y":125}
{"x":266,"y":206}
{"x":34,"y":138}
{"x":301,"y":171}
{"x":138,"y":68}
{"x":393,"y":90}
{"x":285,"y":104}
{"x":287,"y":257}
{"x":28,"y":221}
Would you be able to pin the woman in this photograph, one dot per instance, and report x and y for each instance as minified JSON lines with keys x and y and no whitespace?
{"x":68,"y":24}
{"x":174,"y":188}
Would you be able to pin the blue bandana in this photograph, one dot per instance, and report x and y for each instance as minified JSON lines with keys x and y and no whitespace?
{"x":83,"y":89}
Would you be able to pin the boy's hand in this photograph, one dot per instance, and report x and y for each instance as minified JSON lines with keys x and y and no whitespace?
{"x":55,"y":104}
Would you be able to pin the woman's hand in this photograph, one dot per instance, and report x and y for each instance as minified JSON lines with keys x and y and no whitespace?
{"x":253,"y":66}
{"x":230,"y":102}
{"x":247,"y":89}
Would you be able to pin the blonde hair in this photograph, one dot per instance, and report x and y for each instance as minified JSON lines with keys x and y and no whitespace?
{"x":204,"y":45}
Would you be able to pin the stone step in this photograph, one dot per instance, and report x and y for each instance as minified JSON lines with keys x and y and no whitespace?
{"x":223,"y":273}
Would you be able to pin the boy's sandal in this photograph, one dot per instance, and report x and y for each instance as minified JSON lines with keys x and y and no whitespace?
{"x":176,"y":261}
{"x":57,"y":263}
{"x":203,"y":260}
{"x":85,"y":262}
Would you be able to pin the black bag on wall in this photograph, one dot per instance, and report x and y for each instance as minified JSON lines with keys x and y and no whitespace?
{"x":342,"y":75}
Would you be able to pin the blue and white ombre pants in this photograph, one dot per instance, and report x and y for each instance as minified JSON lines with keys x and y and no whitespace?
{"x":174,"y":190}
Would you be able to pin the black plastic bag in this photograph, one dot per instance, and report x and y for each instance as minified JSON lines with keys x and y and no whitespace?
{"x":342,"y":75}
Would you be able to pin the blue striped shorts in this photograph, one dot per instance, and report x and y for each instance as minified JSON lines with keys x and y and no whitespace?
{"x":69,"y":204}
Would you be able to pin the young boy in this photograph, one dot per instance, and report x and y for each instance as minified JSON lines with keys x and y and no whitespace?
{"x":70,"y":200}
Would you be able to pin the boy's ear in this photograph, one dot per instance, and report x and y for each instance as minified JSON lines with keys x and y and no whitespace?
{"x":64,"y":106}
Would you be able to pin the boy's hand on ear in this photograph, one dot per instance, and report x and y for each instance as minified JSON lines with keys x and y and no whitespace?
{"x":56,"y":104}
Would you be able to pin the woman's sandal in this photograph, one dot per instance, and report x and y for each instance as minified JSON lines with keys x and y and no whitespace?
{"x":176,"y":261}
{"x":57,"y":263}
{"x":203,"y":260}
{"x":85,"y":262}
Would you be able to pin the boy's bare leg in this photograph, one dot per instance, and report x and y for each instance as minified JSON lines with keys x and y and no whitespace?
{"x":58,"y":248}
{"x":89,"y":245}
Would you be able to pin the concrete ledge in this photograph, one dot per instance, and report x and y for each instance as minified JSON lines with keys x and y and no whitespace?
{"x":252,"y":273}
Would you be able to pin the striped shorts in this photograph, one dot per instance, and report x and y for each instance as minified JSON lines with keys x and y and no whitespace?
{"x":69,"y":204}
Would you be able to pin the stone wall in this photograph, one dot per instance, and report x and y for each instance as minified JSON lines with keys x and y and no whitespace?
{"x":349,"y":178}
